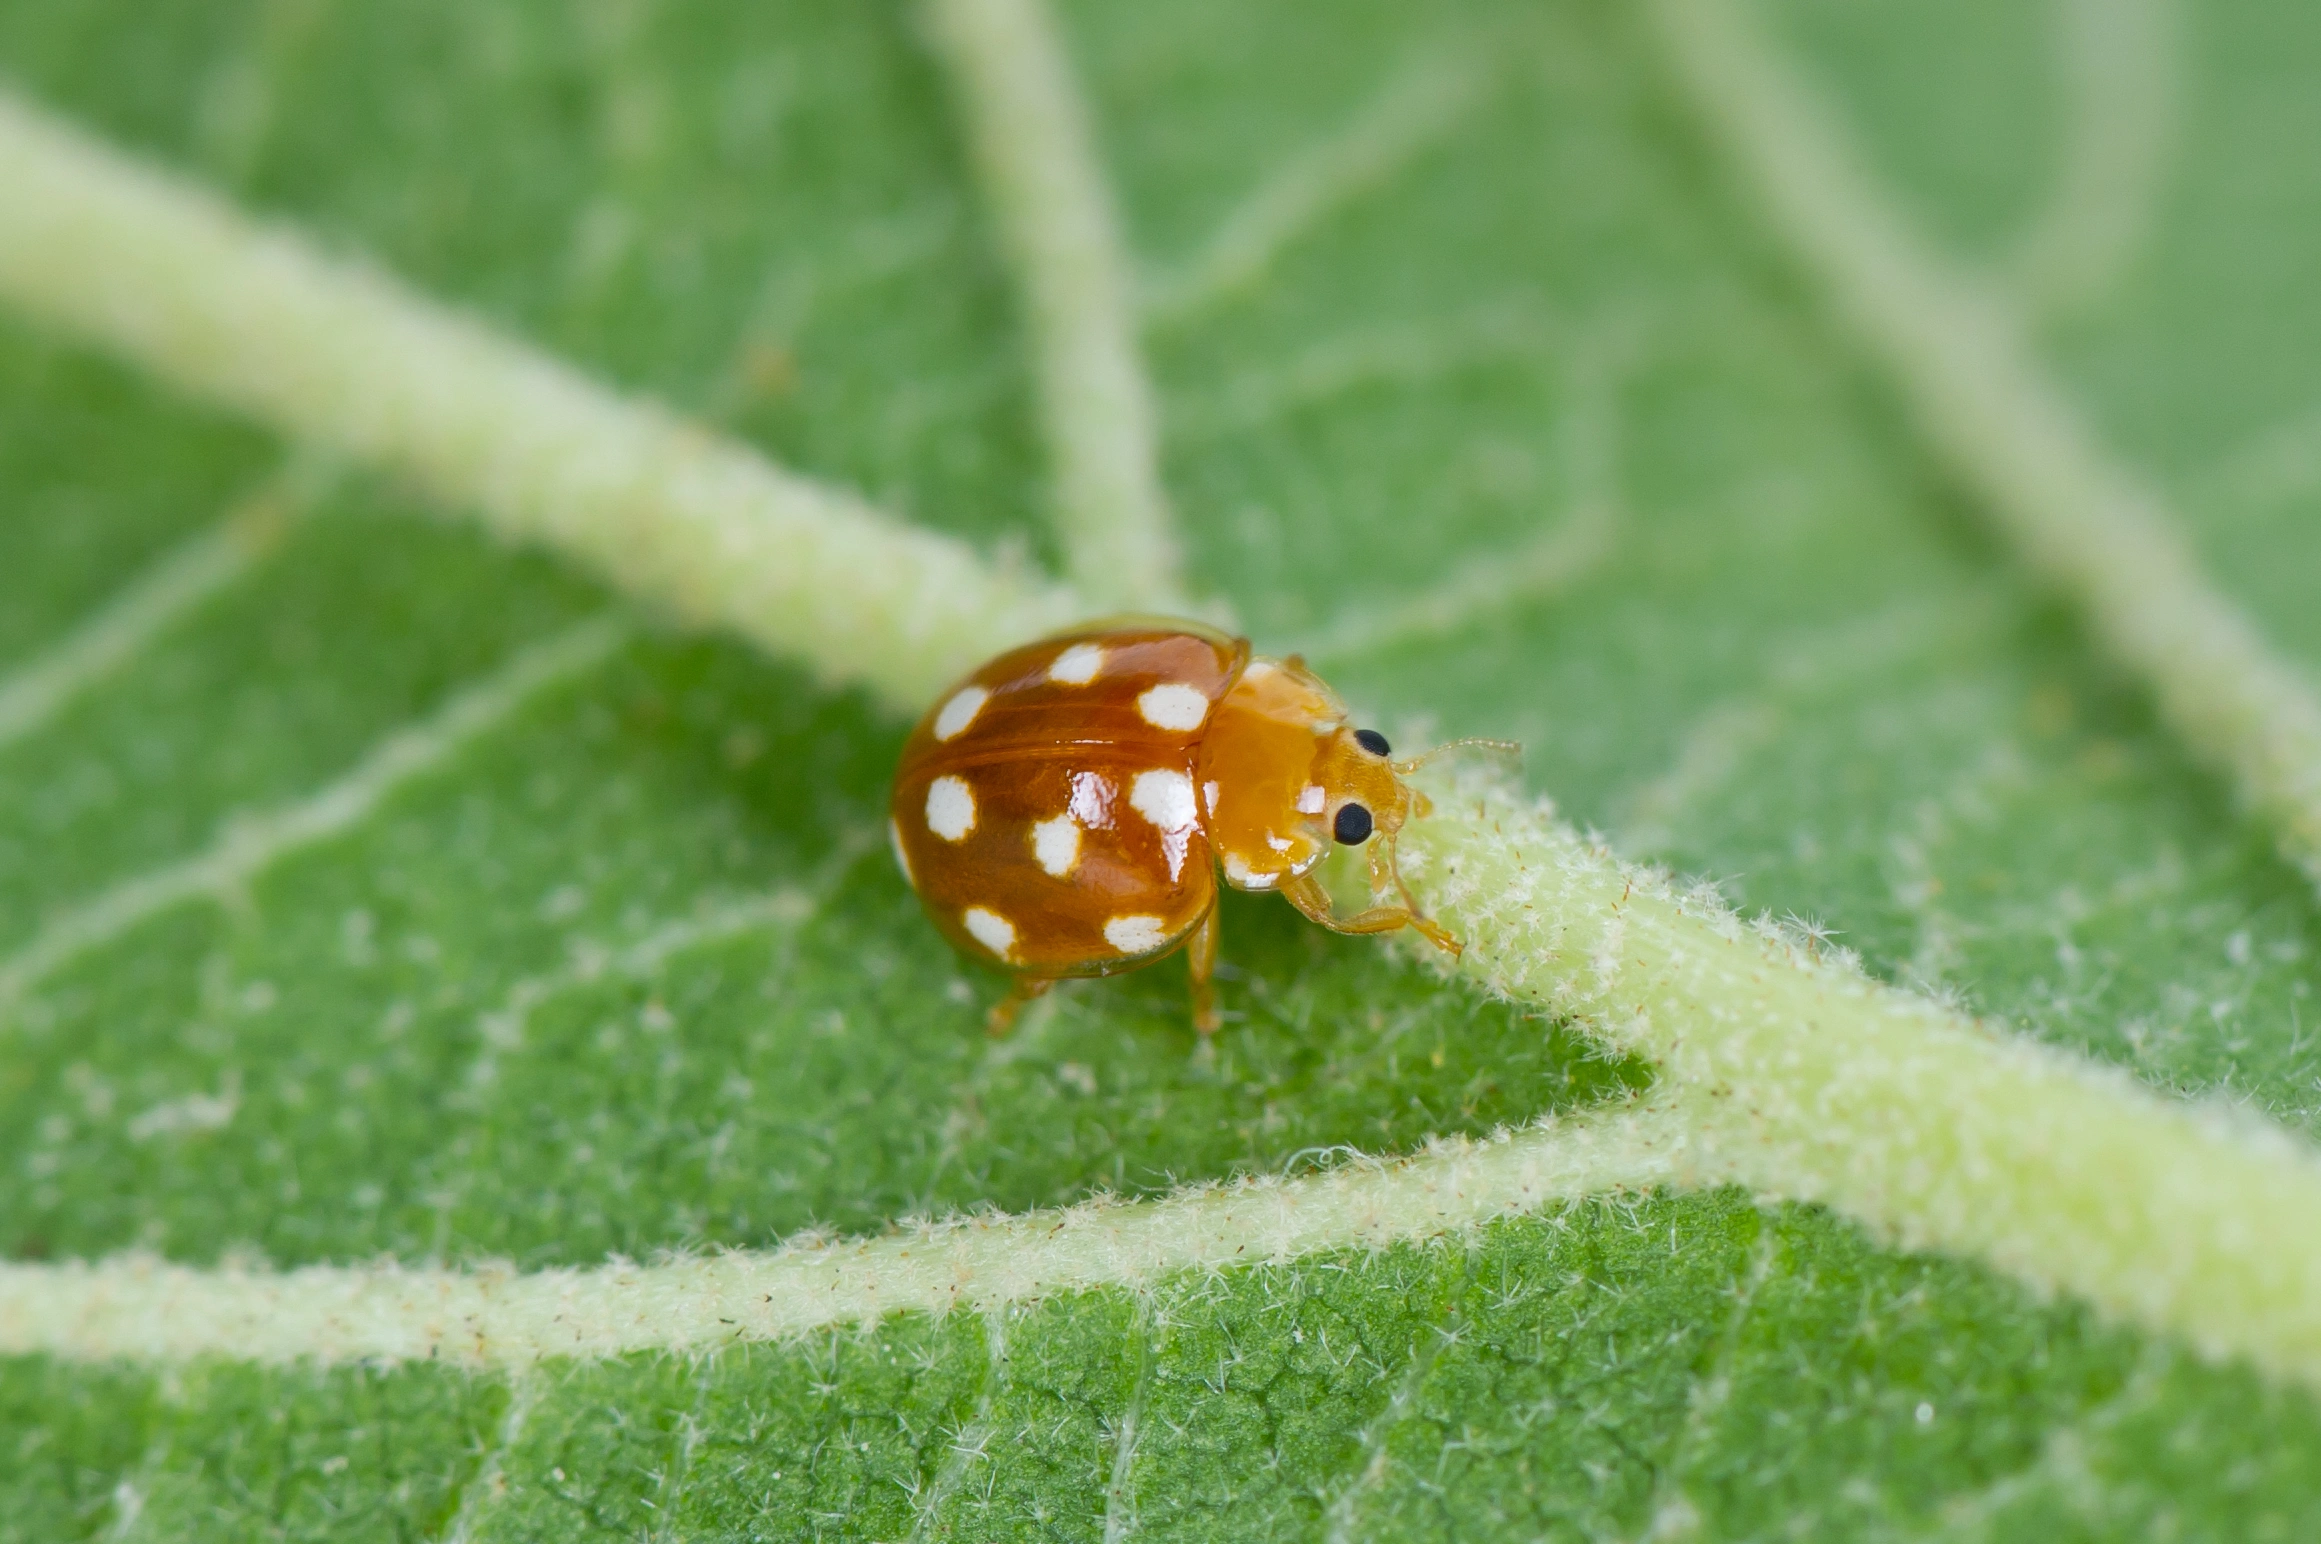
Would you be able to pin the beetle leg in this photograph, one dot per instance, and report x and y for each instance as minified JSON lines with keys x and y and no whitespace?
{"x":1385,"y":878}
{"x":1201,"y":965}
{"x":1306,"y":893}
{"x":1025,"y":989}
{"x":1385,"y":875}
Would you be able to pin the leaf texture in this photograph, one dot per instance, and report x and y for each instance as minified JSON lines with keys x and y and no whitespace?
{"x":627,"y":970}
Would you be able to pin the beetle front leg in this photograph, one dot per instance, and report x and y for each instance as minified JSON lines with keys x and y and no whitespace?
{"x":1386,"y":874}
{"x":1386,"y":878}
{"x":1306,"y":893}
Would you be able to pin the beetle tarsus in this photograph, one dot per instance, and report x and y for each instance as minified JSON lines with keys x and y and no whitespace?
{"x":1434,"y":933}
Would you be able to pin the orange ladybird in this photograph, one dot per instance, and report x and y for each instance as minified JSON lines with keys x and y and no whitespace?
{"x":1064,"y":811}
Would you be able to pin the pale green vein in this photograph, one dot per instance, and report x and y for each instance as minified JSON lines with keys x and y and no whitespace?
{"x":1477,"y":590}
{"x":761,"y":366}
{"x":1422,"y":103}
{"x":672,"y":1482}
{"x":1344,"y":1515}
{"x":2087,"y":524}
{"x":1674,"y":1514}
{"x":1995,"y":777}
{"x":2121,"y":110}
{"x":785,"y":908}
{"x":973,"y":1441}
{"x":489,"y":1486}
{"x":126,"y":1503}
{"x":1781,"y":1066}
{"x":172,"y":588}
{"x":1119,"y":1494}
{"x":965,"y":1118}
{"x":143,"y":1309}
{"x":1714,"y":747}
{"x":1035,"y":148}
{"x":252,"y":843}
{"x":1808,"y":1080}
{"x":1407,"y":355}
{"x":1551,"y":562}
{"x":2277,"y":467}
{"x":2061,"y":1470}
{"x":255,"y":318}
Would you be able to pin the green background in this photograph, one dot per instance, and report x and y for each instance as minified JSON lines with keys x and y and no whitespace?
{"x":1800,"y":669}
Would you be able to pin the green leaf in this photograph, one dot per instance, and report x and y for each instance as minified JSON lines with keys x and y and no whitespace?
{"x":625,"y":969}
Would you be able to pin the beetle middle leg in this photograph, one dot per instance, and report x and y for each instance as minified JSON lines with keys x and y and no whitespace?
{"x":1201,"y":967}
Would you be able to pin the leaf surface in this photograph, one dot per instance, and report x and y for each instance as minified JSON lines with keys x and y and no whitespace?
{"x":630,"y":971}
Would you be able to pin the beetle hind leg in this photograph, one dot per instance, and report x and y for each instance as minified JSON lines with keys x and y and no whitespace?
{"x":1026,"y":989}
{"x":1201,"y":968}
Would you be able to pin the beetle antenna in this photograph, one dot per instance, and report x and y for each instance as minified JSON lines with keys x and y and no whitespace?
{"x":1496,"y":747}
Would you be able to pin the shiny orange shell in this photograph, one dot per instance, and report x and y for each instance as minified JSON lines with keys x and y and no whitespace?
{"x":1046,"y":808}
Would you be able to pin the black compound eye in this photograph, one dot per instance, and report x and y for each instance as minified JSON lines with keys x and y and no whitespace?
{"x":1372,"y":741}
{"x":1352,"y":825}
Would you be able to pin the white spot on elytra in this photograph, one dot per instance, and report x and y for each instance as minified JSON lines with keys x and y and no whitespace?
{"x":1172,"y":705}
{"x":950,"y":808}
{"x":1135,"y":935}
{"x":1056,"y":843}
{"x":1165,"y":798}
{"x":1257,"y":668}
{"x":960,"y":711}
{"x":1077,"y":665}
{"x":894,"y":836}
{"x":991,"y":930}
{"x":1311,"y":799}
{"x":1209,"y":795}
{"x":1092,"y":796}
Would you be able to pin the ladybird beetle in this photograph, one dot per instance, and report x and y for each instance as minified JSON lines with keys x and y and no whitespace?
{"x":1063,"y":810}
